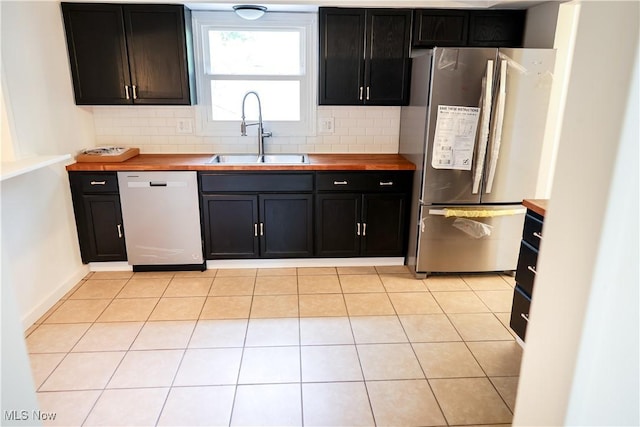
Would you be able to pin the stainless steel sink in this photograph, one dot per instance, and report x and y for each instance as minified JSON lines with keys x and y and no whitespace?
{"x":285,"y":158}
{"x":249,"y":159}
{"x":234,"y":159}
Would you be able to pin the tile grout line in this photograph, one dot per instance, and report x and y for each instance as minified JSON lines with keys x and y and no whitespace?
{"x":184,"y":353}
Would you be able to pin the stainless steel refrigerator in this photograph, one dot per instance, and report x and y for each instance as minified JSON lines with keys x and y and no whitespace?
{"x":474,"y":127}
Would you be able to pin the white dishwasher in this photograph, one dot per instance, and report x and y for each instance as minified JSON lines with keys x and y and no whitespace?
{"x":161,"y":218}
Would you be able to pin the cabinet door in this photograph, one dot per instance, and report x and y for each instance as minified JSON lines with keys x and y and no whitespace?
{"x":387,"y":57}
{"x":286,"y":225}
{"x":440,"y":27}
{"x":383,"y":218}
{"x":97,"y":53}
{"x":497,"y":28}
{"x":337,"y":220}
{"x":103,"y":229}
{"x":341,"y":56}
{"x":230,"y":226}
{"x":157,"y":54}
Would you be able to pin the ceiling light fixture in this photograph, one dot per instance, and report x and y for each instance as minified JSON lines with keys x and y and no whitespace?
{"x":249,"y":11}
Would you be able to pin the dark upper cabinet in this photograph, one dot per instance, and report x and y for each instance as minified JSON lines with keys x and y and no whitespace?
{"x":96,"y":206}
{"x":440,"y":27}
{"x":364,"y":56}
{"x":130,"y":54}
{"x":498,"y":28}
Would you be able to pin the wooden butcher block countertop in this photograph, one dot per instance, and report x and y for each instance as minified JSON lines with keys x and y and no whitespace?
{"x":198,"y":162}
{"x":539,"y":206}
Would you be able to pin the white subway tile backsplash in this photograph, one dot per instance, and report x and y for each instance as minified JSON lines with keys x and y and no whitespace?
{"x":365,"y":129}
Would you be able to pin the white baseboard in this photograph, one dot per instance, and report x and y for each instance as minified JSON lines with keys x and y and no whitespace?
{"x":110,"y":266}
{"x":269,"y":263}
{"x":304,"y":262}
{"x":44,"y":305}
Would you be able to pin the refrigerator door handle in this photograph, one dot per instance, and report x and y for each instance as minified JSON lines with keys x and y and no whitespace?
{"x":496,"y":137}
{"x":485,"y":104}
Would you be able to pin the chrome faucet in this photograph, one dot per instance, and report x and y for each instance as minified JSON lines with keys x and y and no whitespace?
{"x":261,"y":133}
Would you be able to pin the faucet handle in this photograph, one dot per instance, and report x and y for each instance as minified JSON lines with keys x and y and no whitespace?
{"x":266,"y":134}
{"x":243,"y":128}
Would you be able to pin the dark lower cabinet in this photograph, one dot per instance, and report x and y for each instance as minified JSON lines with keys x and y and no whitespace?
{"x":229,"y":224}
{"x":360,"y":224}
{"x":251,"y":226}
{"x":526,"y":272}
{"x":98,"y":215}
{"x":362,"y":213}
{"x":267,"y":215}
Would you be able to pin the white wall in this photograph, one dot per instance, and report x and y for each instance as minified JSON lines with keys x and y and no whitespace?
{"x":580,"y":364}
{"x":39,"y":241}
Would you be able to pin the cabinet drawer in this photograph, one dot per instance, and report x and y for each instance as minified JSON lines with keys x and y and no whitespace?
{"x":98,"y":183}
{"x":256,"y":182}
{"x":525,"y":273}
{"x":532,"y":232}
{"x":363,"y":181}
{"x":520,"y":312}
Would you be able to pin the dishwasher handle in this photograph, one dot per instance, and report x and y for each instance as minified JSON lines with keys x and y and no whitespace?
{"x":157,"y":184}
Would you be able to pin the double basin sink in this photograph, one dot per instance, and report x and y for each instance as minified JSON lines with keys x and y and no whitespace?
{"x":250,"y":159}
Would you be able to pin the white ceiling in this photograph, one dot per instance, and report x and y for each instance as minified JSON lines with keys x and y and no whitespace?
{"x":312,"y":5}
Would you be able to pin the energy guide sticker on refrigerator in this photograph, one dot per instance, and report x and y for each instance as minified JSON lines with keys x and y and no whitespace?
{"x":474,"y":127}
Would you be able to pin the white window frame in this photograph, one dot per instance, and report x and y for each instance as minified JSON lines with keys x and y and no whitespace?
{"x":306,"y":23}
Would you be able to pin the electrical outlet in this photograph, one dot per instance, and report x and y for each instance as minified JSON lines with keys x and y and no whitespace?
{"x":184,"y":126}
{"x":326,"y":125}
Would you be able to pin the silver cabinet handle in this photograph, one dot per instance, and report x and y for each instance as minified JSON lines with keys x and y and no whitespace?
{"x":525,"y":316}
{"x":262,"y":228}
{"x":255,"y":229}
{"x":126,"y":92}
{"x":340,"y":182}
{"x":120,"y":231}
{"x":360,"y":93}
{"x":532,"y":269}
{"x":364,"y":228}
{"x":98,"y":182}
{"x":135,"y":92}
{"x":368,"y":92}
{"x":357,"y":229}
{"x":383,"y":183}
{"x":538,"y":235}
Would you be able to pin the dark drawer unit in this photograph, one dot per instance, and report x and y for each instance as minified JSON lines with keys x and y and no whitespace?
{"x":526,"y":272}
{"x":532,"y":233}
{"x":520,"y":312}
{"x":361,"y":213}
{"x":257,"y":215}
{"x":96,"y":205}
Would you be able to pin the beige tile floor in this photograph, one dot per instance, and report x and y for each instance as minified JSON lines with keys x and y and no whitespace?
{"x":307,"y":346}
